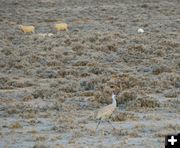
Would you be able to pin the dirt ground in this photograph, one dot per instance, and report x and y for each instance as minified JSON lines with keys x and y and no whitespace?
{"x":50,"y":86}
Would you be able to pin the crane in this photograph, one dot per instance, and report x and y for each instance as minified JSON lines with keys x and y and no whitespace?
{"x":105,"y":112}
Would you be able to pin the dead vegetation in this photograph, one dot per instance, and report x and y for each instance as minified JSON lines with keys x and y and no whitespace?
{"x":51,"y":85}
{"x":123,"y":116}
{"x":15,"y":125}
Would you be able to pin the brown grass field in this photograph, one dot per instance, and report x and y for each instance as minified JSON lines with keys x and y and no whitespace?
{"x":50,"y":85}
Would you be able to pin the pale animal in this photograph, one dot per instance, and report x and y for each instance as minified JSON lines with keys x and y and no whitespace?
{"x":27,"y":29}
{"x":105,"y":112}
{"x":61,"y":27}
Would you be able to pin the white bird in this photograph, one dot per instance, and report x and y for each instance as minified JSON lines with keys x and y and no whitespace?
{"x":106,"y":112}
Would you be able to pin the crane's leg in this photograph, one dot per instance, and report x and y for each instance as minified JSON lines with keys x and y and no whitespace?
{"x":98,"y":124}
{"x":111,"y":124}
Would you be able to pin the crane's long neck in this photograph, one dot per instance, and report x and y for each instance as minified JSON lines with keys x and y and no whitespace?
{"x":114,"y":100}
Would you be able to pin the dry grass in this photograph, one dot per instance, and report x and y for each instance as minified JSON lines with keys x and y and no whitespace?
{"x":58,"y":81}
{"x":124,"y":116}
{"x":15,"y":125}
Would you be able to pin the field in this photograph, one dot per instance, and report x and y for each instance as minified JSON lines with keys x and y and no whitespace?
{"x":50,"y":86}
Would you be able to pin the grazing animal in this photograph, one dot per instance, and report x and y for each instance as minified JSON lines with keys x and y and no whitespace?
{"x":27,"y":29}
{"x":105,"y":112}
{"x":61,"y":27}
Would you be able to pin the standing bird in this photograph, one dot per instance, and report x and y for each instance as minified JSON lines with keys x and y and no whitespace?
{"x":106,"y":112}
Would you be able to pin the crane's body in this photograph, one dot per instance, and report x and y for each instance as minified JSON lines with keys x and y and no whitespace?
{"x":106,"y":112}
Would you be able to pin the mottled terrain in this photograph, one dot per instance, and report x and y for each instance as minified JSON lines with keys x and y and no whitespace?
{"x":50,"y":86}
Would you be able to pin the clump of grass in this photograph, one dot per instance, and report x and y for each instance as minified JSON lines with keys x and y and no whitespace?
{"x":81,"y":63}
{"x":124,"y":81}
{"x":123,"y":116}
{"x":158,"y":69}
{"x":169,"y":43}
{"x":28,"y":98}
{"x":159,"y":52}
{"x":85,"y":74}
{"x":41,"y":138}
{"x":15,"y":125}
{"x":127,"y":96}
{"x":77,"y":47}
{"x":87,"y":84}
{"x":107,"y":48}
{"x":139,"y":128}
{"x":175,"y":104}
{"x":40,"y":146}
{"x":171,"y":94}
{"x":133,"y":134}
{"x":51,"y":20}
{"x":97,"y":96}
{"x":1,"y":134}
{"x":137,"y":48}
{"x":33,"y":131}
{"x":12,"y":111}
{"x":29,"y":115}
{"x":144,"y":103}
{"x":120,"y":132}
{"x":96,"y":70}
{"x":38,"y":93}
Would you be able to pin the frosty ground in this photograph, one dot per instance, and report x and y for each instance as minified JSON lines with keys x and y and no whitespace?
{"x":50,"y":86}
